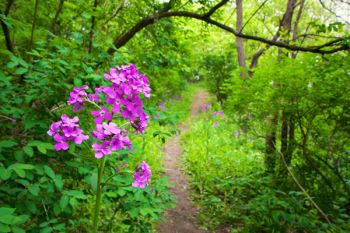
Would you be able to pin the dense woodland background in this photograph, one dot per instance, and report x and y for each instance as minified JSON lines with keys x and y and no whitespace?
{"x":280,"y":70}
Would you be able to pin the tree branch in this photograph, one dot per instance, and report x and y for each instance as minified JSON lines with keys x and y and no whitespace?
{"x":214,"y":8}
{"x":126,"y":36}
{"x":115,"y":13}
{"x":58,"y":12}
{"x":331,"y":11}
{"x":255,"y":12}
{"x":303,"y":190}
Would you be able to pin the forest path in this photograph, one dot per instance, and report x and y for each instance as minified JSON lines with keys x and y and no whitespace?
{"x":181,"y":219}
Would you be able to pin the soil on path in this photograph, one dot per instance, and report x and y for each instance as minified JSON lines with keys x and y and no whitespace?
{"x":181,"y":219}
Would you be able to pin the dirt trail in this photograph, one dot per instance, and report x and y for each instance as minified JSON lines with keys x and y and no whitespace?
{"x":182,"y":219}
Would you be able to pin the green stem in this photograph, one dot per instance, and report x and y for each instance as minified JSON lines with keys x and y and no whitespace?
{"x":98,"y":195}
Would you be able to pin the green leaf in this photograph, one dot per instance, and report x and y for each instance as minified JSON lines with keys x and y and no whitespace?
{"x":20,"y":219}
{"x":21,"y":70}
{"x":57,"y":209}
{"x":49,"y":172}
{"x":42,"y":146}
{"x":121,"y":192}
{"x":6,"y":211}
{"x":93,"y":182}
{"x":34,"y":189}
{"x":7,"y":219}
{"x":4,"y":228}
{"x":75,"y":193}
{"x":73,"y":202}
{"x":17,"y":230}
{"x":28,"y":150}
{"x":58,"y":182}
{"x":20,"y":168}
{"x":31,"y":206}
{"x":46,"y":230}
{"x":7,"y":144}
{"x":5,"y":174}
{"x":64,"y":202}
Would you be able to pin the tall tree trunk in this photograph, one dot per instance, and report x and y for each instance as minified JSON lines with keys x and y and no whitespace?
{"x":54,"y":21}
{"x":296,"y":25}
{"x":284,"y":133}
{"x":33,"y":24}
{"x":239,"y":40}
{"x":270,"y":137}
{"x":93,"y":22}
{"x":270,"y":143}
{"x":5,"y":29}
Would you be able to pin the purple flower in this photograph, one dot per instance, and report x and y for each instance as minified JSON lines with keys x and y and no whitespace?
{"x":66,"y":130}
{"x":161,"y":106}
{"x":101,"y":149}
{"x":94,"y":98}
{"x":77,"y":97}
{"x":205,"y":107}
{"x":101,"y":114}
{"x":142,"y":175}
{"x":216,"y":124}
{"x":62,"y":145}
{"x":219,"y":113}
{"x":111,"y":128}
{"x":113,"y":139}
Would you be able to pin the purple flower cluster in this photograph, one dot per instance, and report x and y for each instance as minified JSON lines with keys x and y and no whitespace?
{"x":112,"y":138}
{"x":65,"y":130}
{"x":205,"y":107}
{"x":121,"y":97}
{"x":142,"y":175}
{"x":219,"y":113}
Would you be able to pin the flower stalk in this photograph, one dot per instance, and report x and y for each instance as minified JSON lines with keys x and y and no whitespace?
{"x":98,"y":195}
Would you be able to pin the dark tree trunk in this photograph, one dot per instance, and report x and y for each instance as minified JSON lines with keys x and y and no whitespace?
{"x":5,"y":29}
{"x":270,"y":143}
{"x":93,"y":22}
{"x":34,"y":24}
{"x":54,"y":21}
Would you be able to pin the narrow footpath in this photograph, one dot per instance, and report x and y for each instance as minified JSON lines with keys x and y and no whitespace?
{"x":183,"y":218}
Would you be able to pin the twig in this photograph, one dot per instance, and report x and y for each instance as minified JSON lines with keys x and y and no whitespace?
{"x":47,"y":215}
{"x":8,"y":118}
{"x":255,"y":12}
{"x":302,"y":189}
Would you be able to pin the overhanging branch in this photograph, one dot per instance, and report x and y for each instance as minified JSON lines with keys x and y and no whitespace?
{"x":334,"y":45}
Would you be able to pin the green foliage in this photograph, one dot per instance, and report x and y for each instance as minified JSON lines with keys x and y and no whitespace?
{"x":226,"y":167}
{"x":42,"y":191}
